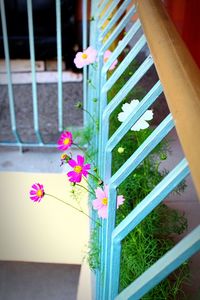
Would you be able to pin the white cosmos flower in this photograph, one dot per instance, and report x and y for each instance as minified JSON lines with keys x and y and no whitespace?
{"x":127,"y":109}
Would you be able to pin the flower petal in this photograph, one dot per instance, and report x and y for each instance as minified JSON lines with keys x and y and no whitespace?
{"x":72,"y":163}
{"x":80,"y":160}
{"x":148,"y":115}
{"x":97,"y":204}
{"x":120,"y":200}
{"x":103,"y":212}
{"x":99,"y":193}
{"x":140,"y":124}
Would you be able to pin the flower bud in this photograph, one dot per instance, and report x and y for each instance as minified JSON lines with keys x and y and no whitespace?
{"x":120,"y":150}
{"x":163,"y":156}
{"x":78,"y":105}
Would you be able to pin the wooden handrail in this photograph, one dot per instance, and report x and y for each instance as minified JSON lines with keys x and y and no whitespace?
{"x":180,"y":78}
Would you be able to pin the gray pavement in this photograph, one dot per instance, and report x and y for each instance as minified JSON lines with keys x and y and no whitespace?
{"x":47,"y":110}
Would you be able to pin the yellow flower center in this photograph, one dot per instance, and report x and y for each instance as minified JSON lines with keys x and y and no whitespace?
{"x":84,"y":55}
{"x":105,"y":59}
{"x":66,"y":141}
{"x":104,"y":201}
{"x":78,"y":169}
{"x":39,"y":193}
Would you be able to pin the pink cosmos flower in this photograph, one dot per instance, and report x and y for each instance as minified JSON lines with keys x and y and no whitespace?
{"x":101,"y":202}
{"x":79,"y":169}
{"x":107,"y":54}
{"x":36,"y":192}
{"x":65,"y":140}
{"x":86,"y":57}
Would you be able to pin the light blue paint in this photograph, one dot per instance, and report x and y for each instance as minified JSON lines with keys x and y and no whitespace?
{"x":126,"y":169}
{"x":8,"y":70}
{"x":104,"y":130}
{"x":33,"y":72}
{"x":143,"y":209}
{"x":147,"y":101}
{"x":59,"y":65}
{"x":115,"y":18}
{"x":163,"y":267}
{"x":108,"y":12}
{"x":84,"y":33}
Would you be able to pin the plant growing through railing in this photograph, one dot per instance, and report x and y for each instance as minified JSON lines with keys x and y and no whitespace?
{"x":155,"y":235}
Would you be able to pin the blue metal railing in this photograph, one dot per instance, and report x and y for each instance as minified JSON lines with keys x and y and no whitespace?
{"x":110,"y":235}
{"x":17,"y":140}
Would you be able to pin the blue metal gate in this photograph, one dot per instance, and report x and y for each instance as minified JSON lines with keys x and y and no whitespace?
{"x":12,"y":107}
{"x":118,"y":15}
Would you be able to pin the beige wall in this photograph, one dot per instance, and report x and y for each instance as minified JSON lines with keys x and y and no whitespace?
{"x":40,"y":232}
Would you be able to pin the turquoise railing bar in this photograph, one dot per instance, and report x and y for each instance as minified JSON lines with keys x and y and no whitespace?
{"x":127,"y":168}
{"x":119,"y":29}
{"x":122,"y":67}
{"x":115,"y":18}
{"x":145,"y":103}
{"x":39,"y":141}
{"x":100,"y":7}
{"x":108,"y":12}
{"x":104,"y":128}
{"x":8,"y":70}
{"x":59,"y":65}
{"x":34,"y":84}
{"x":110,"y":237}
{"x":84,"y":33}
{"x":163,"y":267}
{"x":142,"y":210}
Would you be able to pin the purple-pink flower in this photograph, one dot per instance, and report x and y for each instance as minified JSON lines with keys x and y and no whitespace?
{"x":86,"y":57}
{"x":107,"y":54}
{"x":65,"y":140}
{"x":79,"y":169}
{"x":101,"y":202}
{"x":36,"y":192}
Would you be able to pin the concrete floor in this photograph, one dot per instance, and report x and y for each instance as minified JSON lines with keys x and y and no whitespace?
{"x":31,"y":281}
{"x":47,"y":110}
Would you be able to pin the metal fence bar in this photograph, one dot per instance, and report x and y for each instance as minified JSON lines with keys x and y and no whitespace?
{"x":137,"y":157}
{"x":147,"y":101}
{"x":102,"y":7}
{"x":34,"y":84}
{"x":129,"y":166}
{"x":115,"y":18}
{"x":163,"y":267}
{"x":8,"y":70}
{"x":92,"y":103}
{"x":118,"y":29}
{"x":84,"y":34}
{"x":59,"y":65}
{"x":126,"y":62}
{"x":109,"y":236}
{"x":143,"y":209}
{"x":104,"y":128}
{"x":106,"y":15}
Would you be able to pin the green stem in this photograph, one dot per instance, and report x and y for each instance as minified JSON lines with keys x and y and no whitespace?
{"x":85,"y":189}
{"x":83,"y":150}
{"x":87,"y":181}
{"x":80,"y":210}
{"x":97,"y":178}
{"x":83,"y":109}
